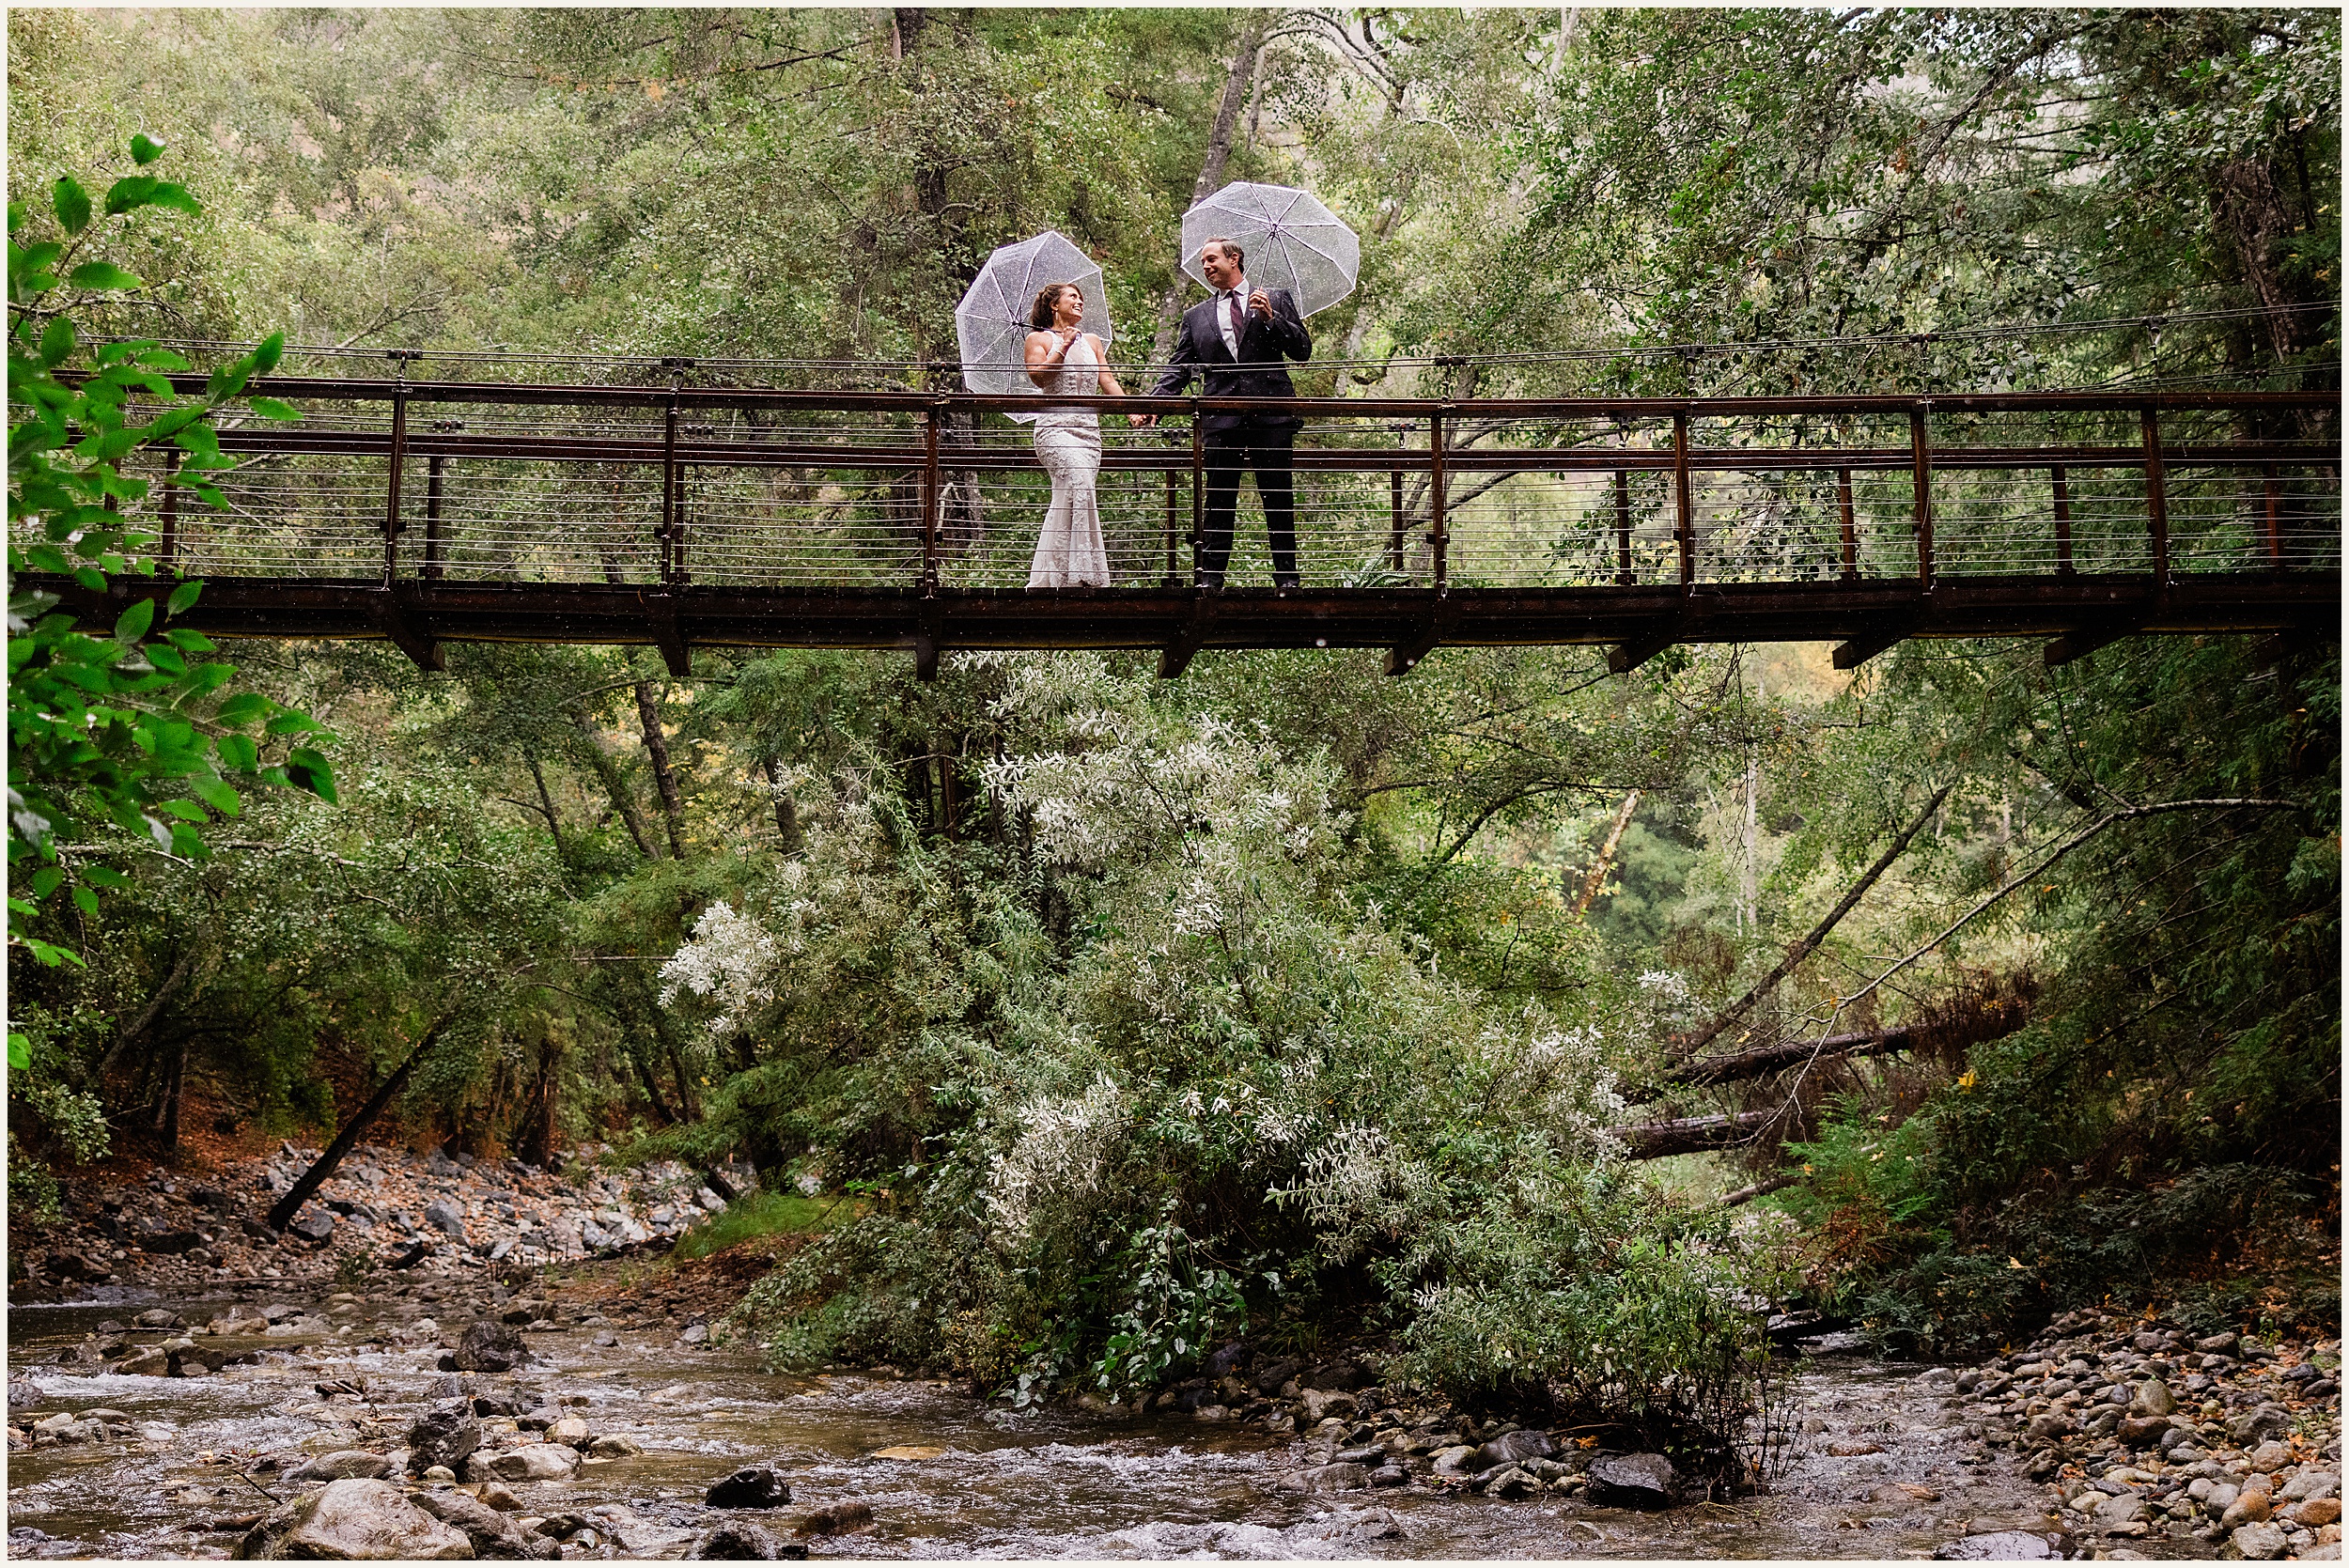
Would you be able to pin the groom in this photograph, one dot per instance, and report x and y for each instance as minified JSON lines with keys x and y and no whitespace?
{"x":1238,"y":340}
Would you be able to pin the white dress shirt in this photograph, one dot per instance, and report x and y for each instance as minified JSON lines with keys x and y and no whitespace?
{"x":1223,"y":316}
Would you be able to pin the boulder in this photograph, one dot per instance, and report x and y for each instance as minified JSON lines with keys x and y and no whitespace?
{"x":150,"y":1362}
{"x":442,"y":1436}
{"x":1512,"y":1448}
{"x":2259,"y":1541}
{"x":612,"y":1445}
{"x":443,"y":1215}
{"x":2006,"y":1546}
{"x":2152,"y":1398}
{"x":838,"y":1518}
{"x":1507,"y":1480}
{"x":1456,"y":1460}
{"x":1323,"y":1404}
{"x":568,"y":1429}
{"x":1328,"y":1478}
{"x":345,"y":1464}
{"x":1632,"y":1480}
{"x":171,"y":1243}
{"x":157,"y":1317}
{"x":1269,"y":1376}
{"x":753,"y":1486}
{"x":2260,"y":1424}
{"x":493,"y":1533}
{"x":740,"y":1541}
{"x":529,"y":1462}
{"x":489,"y":1345}
{"x":317,"y":1225}
{"x":353,"y":1521}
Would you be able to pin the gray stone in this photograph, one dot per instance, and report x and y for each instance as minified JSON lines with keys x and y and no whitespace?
{"x":493,"y":1533}
{"x":1632,"y":1480}
{"x":2259,"y":1541}
{"x":2004,"y":1546}
{"x":529,"y":1462}
{"x":612,"y":1445}
{"x":2258,"y":1424}
{"x":2152,"y":1398}
{"x":1512,"y":1448}
{"x":740,"y":1541}
{"x":345,"y":1464}
{"x":1328,"y":1478}
{"x":2310,"y":1483}
{"x":442,"y":1436}
{"x":443,"y":1215}
{"x":317,"y":1225}
{"x":1455,"y":1460}
{"x":1506,"y":1482}
{"x":352,"y":1521}
{"x":753,"y":1486}
{"x":489,"y":1345}
{"x":2126,"y":1509}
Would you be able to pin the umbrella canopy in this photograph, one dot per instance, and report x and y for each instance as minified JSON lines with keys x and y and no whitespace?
{"x":991,"y":323}
{"x":1291,"y":241}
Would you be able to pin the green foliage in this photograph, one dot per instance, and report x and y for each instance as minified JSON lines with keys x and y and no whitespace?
{"x":762,"y":1213}
{"x":129,"y":730}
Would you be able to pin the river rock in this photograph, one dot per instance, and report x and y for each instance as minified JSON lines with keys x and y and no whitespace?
{"x":442,"y":1436}
{"x":1390,"y":1475}
{"x":1323,"y":1404}
{"x":612,"y":1445}
{"x":1512,"y":1448}
{"x":345,"y":1464}
{"x":2258,"y":1424}
{"x":492,"y":1494}
{"x":315,"y":1225}
{"x":1328,"y":1478}
{"x":2140,"y":1431}
{"x":568,"y":1429}
{"x":753,"y":1486}
{"x":1632,"y":1480}
{"x":2152,"y":1398}
{"x":2117,"y":1511}
{"x":2251,"y":1506}
{"x":529,"y":1462}
{"x":838,"y":1518}
{"x":150,"y":1362}
{"x":2269,"y":1457}
{"x":493,"y":1533}
{"x":2006,"y":1546}
{"x":443,"y":1215}
{"x":2259,"y":1541}
{"x":348,"y":1521}
{"x":489,"y":1345}
{"x":1455,"y":1460}
{"x":740,"y":1541}
{"x":1507,"y":1480}
{"x":2310,"y":1483}
{"x":157,"y":1317}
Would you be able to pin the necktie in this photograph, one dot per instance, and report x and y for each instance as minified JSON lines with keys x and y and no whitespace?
{"x":1239,"y":321}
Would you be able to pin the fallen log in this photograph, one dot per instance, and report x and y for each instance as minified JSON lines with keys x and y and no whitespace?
{"x":1992,"y":1020}
{"x":1687,"y":1135}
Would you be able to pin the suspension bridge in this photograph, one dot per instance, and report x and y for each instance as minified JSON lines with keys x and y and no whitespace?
{"x":678,"y":514}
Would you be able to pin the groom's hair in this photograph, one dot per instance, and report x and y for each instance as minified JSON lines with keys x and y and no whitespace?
{"x":1040,"y":313}
{"x":1240,"y":257}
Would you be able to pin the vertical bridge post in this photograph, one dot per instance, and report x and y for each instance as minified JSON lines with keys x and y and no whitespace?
{"x":2062,"y":522}
{"x":170,"y":551}
{"x":399,"y":358}
{"x":2157,"y":496}
{"x":1684,"y":503}
{"x":1920,"y":459}
{"x":1438,"y":538}
{"x":930,"y":500}
{"x":1622,"y":527}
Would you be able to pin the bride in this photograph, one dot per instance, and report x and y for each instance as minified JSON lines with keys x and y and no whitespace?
{"x":1064,"y":359}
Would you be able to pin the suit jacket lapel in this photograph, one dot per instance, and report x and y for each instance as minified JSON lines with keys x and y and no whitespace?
{"x":1215,"y":334}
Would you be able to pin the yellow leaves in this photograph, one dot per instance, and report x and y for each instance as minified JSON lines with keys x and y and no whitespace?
{"x":1807,"y":1171}
{"x":656,"y":90}
{"x":2011,"y":1263}
{"x":1965,"y":1082}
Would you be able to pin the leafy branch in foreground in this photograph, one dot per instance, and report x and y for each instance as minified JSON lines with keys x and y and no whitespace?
{"x":129,"y":727}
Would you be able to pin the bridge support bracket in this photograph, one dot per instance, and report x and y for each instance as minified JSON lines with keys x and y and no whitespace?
{"x":925,"y":658}
{"x":2083,"y":641}
{"x":1188,"y":638}
{"x":1867,"y":645}
{"x":2277,"y":647}
{"x":402,"y":634}
{"x":1636,"y":651}
{"x":670,"y":639}
{"x":1405,"y":656}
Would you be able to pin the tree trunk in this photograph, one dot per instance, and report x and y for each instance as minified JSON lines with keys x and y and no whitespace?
{"x":786,"y":810}
{"x":656,"y":747}
{"x":546,"y":804}
{"x":1236,"y":84}
{"x":536,"y":1142}
{"x":167,"y":1112}
{"x":1598,"y":878}
{"x":1688,"y":1135}
{"x":136,"y":1031}
{"x":315,"y":1177}
{"x":615,"y":785}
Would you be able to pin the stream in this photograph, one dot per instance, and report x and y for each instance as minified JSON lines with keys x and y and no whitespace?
{"x":1875,"y":1466}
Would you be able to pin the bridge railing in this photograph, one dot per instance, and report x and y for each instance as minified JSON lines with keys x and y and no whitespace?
{"x":669,"y":486}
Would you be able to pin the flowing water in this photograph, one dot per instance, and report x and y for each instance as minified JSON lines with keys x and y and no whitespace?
{"x":1049,"y":1484}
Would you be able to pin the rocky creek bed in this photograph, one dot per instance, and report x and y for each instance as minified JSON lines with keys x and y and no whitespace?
{"x":525,"y":1387}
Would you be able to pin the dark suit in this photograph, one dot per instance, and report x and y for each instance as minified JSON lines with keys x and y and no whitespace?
{"x":1261,"y":443}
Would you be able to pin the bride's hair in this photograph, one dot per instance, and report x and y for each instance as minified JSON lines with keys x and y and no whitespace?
{"x":1040,"y":314}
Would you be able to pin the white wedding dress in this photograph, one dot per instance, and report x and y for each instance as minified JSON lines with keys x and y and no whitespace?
{"x":1068,"y":550}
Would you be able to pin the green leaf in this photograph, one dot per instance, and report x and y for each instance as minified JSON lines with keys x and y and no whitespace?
{"x":243,"y":708}
{"x":270,"y":407}
{"x":72,"y":204}
{"x":218,"y":796}
{"x":182,"y":599}
{"x":238,"y":753}
{"x":167,"y":195}
{"x":307,"y":769}
{"x":129,"y":191}
{"x":186,"y":811}
{"x":46,"y":881}
{"x":188,"y":642}
{"x":101,"y":274}
{"x":85,"y":901}
{"x":19,"y":1053}
{"x":133,"y":622}
{"x":105,"y":876}
{"x":293,"y":723}
{"x":56,"y":342}
{"x":145,"y":149}
{"x":266,"y":355}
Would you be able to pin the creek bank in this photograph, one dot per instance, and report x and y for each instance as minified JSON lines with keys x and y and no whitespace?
{"x":2147,"y":1436}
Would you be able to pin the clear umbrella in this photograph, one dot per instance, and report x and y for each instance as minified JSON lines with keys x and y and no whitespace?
{"x":991,"y":323}
{"x":1291,"y":241}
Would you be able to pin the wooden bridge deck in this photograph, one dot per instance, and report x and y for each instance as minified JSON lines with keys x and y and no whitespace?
{"x":676,"y":516}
